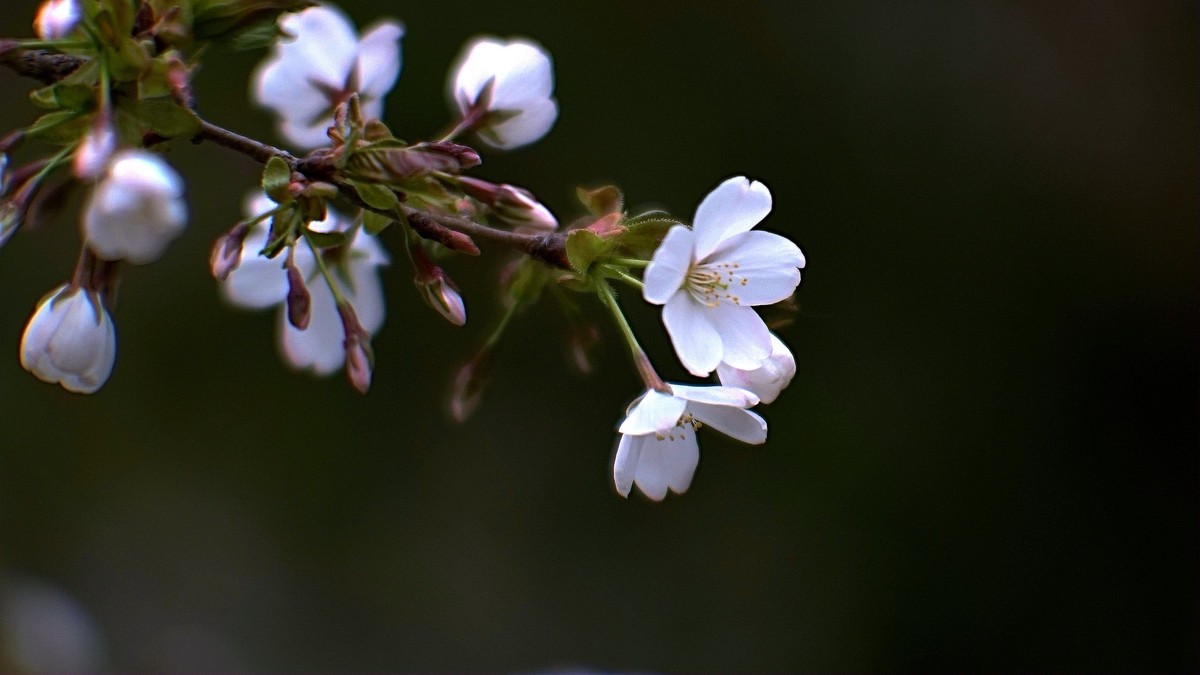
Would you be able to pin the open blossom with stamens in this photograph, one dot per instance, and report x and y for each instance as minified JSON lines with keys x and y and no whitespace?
{"x":512,"y":81}
{"x":136,"y":210}
{"x":658,"y":449}
{"x":770,"y":378}
{"x":258,"y":283}
{"x":307,"y":77}
{"x":709,"y":278}
{"x":57,"y":18}
{"x":70,"y":340}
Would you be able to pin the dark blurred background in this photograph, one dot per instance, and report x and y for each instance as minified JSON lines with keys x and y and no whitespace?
{"x":988,"y":459}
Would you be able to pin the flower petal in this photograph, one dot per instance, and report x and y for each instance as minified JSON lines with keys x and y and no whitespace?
{"x":379,"y":59}
{"x":475,"y":68}
{"x":745,"y":340}
{"x":720,"y":396}
{"x":256,"y":282}
{"x":534,"y":121}
{"x":629,"y":450}
{"x":733,"y":207}
{"x":319,"y":347}
{"x":744,"y":425}
{"x":653,"y":413}
{"x":523,"y":75}
{"x":769,"y":379}
{"x":763,"y":266}
{"x":696,"y":339}
{"x":668,"y":266}
{"x":667,"y":464}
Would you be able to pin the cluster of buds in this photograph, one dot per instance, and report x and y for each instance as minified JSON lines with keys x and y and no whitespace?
{"x":118,"y":91}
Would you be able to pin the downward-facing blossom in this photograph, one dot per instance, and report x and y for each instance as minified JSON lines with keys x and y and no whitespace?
{"x":658,"y":450}
{"x":136,"y":210}
{"x":57,"y":18}
{"x":709,"y":278}
{"x":258,"y":283}
{"x":513,"y":82}
{"x":308,"y":76}
{"x":70,"y":341}
{"x":770,"y":378}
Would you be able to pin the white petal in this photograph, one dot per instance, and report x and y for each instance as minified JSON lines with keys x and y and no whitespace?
{"x":722,"y":396}
{"x":629,"y":449}
{"x":366,"y":295}
{"x":667,"y":464}
{"x":319,"y":347}
{"x":379,"y":60}
{"x":733,"y":207}
{"x":534,"y":121}
{"x":475,"y":68}
{"x":696,"y":340}
{"x":524,"y":74}
{"x":305,"y":135}
{"x":325,"y":44}
{"x":668,"y":266}
{"x":745,"y":339}
{"x":744,"y":425}
{"x":769,"y":379}
{"x":256,"y":282}
{"x":654,"y":413}
{"x":763,"y":266}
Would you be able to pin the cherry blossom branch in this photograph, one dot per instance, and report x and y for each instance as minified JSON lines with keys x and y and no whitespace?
{"x":549,"y":248}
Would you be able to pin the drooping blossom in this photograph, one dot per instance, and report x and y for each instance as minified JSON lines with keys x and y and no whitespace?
{"x":57,"y":18}
{"x":658,"y":449}
{"x":136,"y":210}
{"x":507,"y":87}
{"x":307,"y":77}
{"x":709,"y":277}
{"x":70,"y":340}
{"x":95,"y":151}
{"x":257,"y":283}
{"x":770,"y":378}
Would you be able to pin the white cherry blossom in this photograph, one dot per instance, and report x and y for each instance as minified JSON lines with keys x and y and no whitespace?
{"x":57,"y":18}
{"x":308,"y":76}
{"x":258,"y":283}
{"x":767,"y":380}
{"x":514,"y":81}
{"x":70,"y":340}
{"x":136,"y":210}
{"x":658,"y":450}
{"x":709,"y":278}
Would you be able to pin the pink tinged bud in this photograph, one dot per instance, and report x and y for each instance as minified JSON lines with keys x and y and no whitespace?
{"x":56,"y":19}
{"x":92,"y":155}
{"x":443,"y":297}
{"x":360,"y":358}
{"x":484,"y":191}
{"x":227,"y":251}
{"x":466,"y":391}
{"x":70,"y":341}
{"x":299,"y":301}
{"x":519,"y":208}
{"x":583,"y":341}
{"x":136,"y":210}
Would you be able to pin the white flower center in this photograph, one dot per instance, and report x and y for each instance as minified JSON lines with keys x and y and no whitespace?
{"x":713,"y":283}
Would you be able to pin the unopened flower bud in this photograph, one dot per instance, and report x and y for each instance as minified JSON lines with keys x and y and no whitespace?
{"x":57,"y":18}
{"x":505,"y":89}
{"x":360,"y":358}
{"x":582,"y":346}
{"x":136,"y":210}
{"x":70,"y":341}
{"x":466,"y":390}
{"x":92,"y":155}
{"x":519,"y":208}
{"x":441,"y":294}
{"x":299,"y":301}
{"x":227,"y":251}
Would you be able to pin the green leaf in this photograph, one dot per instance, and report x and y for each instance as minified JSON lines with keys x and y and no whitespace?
{"x":60,"y":128}
{"x":377,"y":196}
{"x":164,"y":117}
{"x":601,"y":201}
{"x":583,"y":247}
{"x":374,"y":223}
{"x":275,"y":179}
{"x":644,"y":233}
{"x":326,"y":239}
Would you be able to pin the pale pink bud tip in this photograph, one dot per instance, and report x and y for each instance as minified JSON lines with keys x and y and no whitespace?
{"x":56,"y":19}
{"x":227,"y":251}
{"x":93,"y":153}
{"x":299,"y":300}
{"x":466,"y":391}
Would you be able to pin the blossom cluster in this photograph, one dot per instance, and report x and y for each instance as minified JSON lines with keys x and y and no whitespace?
{"x":310,"y":244}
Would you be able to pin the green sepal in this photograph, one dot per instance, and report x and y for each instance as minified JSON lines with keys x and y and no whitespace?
{"x":602,"y":200}
{"x":327,"y":239}
{"x":276,"y":177}
{"x":644,"y":233}
{"x":584,"y":247}
{"x":374,"y":223}
{"x":60,"y":128}
{"x":526,"y":284}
